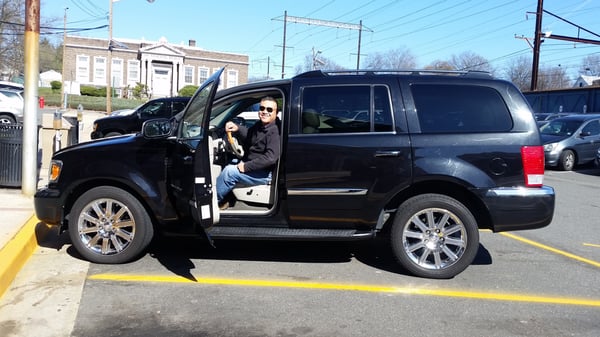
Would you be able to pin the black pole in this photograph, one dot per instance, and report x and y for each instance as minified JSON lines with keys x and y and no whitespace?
{"x":536,"y":45}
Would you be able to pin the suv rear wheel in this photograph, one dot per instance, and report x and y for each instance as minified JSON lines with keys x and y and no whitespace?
{"x":109,"y":225}
{"x":434,"y":236}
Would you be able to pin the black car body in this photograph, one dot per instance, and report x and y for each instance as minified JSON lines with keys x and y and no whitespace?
{"x":130,"y":122}
{"x":426,"y":159}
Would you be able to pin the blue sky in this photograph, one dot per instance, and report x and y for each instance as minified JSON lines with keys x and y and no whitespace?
{"x":430,"y":29}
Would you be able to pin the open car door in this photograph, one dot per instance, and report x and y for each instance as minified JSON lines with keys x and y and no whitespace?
{"x":193,"y":130}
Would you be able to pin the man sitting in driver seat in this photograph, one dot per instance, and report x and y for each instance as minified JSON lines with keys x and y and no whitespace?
{"x":262,"y":148}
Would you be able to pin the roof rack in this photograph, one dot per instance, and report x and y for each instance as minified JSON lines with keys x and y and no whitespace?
{"x":373,"y":72}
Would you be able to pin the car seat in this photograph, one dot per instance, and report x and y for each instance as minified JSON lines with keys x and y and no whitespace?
{"x":310,"y":121}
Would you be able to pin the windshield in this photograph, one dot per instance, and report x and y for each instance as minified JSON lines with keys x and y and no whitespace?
{"x":559,"y":127}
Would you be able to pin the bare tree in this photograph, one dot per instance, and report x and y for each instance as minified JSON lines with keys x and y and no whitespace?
{"x":400,"y":58}
{"x":591,"y":65}
{"x":50,"y":56}
{"x":310,"y":64}
{"x":12,"y":15}
{"x":471,"y":61}
{"x":440,"y":65}
{"x":518,"y":71}
{"x":552,"y":78}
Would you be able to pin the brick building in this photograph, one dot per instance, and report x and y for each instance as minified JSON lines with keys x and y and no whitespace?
{"x":163,"y":67}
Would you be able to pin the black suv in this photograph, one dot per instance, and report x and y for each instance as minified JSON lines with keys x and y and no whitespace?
{"x":131,"y":120}
{"x":425,"y":159}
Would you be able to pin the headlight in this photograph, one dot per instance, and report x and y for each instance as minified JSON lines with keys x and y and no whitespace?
{"x":550,"y":147}
{"x":55,"y":169}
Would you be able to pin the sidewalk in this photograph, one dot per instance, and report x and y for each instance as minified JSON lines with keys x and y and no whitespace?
{"x":20,"y":230}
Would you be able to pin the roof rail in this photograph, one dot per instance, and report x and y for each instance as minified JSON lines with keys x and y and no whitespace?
{"x":323,"y":73}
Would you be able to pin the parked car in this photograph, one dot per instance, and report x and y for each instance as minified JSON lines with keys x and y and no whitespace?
{"x":11,"y":106}
{"x":432,"y":158}
{"x":597,"y":160}
{"x":130,"y":121}
{"x":571,"y":140}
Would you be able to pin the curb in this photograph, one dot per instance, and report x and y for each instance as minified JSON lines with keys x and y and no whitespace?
{"x":19,"y":249}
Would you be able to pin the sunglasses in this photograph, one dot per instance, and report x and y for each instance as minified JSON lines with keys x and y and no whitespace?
{"x":269,"y":109}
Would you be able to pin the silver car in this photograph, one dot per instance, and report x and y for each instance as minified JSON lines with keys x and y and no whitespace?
{"x":571,"y":140}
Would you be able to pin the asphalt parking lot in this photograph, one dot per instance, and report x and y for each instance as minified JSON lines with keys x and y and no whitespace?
{"x":532,"y":283}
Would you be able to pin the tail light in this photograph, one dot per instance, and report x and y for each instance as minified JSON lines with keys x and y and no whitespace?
{"x":533,"y":165}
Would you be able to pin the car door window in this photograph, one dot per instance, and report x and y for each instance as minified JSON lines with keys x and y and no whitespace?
{"x":155,"y":110}
{"x":591,"y":129}
{"x":177,"y":107}
{"x":346,"y":109}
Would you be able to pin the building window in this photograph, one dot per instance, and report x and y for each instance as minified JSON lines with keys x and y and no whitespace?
{"x":83,"y":69}
{"x":100,"y":70}
{"x":188,"y":75}
{"x":202,"y":74}
{"x":232,"y":78}
{"x":133,"y":72}
{"x":117,"y":72}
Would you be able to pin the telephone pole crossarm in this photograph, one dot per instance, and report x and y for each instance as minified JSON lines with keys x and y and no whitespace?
{"x":334,"y":24}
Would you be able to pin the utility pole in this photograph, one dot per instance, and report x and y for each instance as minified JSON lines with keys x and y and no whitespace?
{"x":283,"y":52}
{"x":63,"y":98}
{"x":537,"y":40}
{"x":29,"y":171}
{"x":109,"y":60}
{"x":317,"y":22}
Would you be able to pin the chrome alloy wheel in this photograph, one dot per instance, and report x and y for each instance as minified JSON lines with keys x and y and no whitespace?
{"x":434,"y":238}
{"x":106,"y":226}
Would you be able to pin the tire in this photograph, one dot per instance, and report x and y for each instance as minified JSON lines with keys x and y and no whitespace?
{"x":566,"y":162}
{"x":5,"y":119}
{"x":116,"y":234}
{"x":434,"y":236}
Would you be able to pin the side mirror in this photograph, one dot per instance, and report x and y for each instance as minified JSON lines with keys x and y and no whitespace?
{"x":157,"y":128}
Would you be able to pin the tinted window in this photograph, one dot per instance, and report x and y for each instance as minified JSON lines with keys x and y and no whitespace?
{"x":346,"y":109}
{"x":592,"y":128}
{"x":178,"y":106}
{"x":156,"y":109}
{"x":460,"y":108}
{"x":560,"y":127}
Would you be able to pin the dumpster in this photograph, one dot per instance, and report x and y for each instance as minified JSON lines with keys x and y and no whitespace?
{"x":11,"y":154}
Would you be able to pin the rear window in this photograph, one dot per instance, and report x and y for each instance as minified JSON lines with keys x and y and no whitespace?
{"x":460,"y":109}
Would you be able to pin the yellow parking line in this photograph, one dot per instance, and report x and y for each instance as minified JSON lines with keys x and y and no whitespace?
{"x":591,"y":245}
{"x":350,"y":287}
{"x":554,"y":250}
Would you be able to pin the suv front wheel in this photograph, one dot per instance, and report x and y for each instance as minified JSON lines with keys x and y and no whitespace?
{"x":109,"y":225}
{"x":434,"y":236}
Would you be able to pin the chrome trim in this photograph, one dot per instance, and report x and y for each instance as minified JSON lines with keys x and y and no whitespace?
{"x":520,"y":191}
{"x":327,"y":191}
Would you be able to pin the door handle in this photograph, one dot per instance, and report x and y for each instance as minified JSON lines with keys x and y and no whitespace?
{"x":388,"y":153}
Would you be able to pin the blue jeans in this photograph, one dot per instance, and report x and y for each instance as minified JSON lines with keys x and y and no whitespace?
{"x":230,"y":176}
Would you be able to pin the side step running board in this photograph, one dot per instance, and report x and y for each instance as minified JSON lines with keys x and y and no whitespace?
{"x":272,"y":233}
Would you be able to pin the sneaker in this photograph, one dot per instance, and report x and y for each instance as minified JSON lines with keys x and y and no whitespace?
{"x":224,"y":205}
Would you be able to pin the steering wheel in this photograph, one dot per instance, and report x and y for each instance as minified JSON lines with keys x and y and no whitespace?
{"x":233,"y":146}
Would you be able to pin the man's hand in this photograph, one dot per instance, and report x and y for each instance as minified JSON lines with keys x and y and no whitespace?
{"x":240,"y":166}
{"x":231,"y":127}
